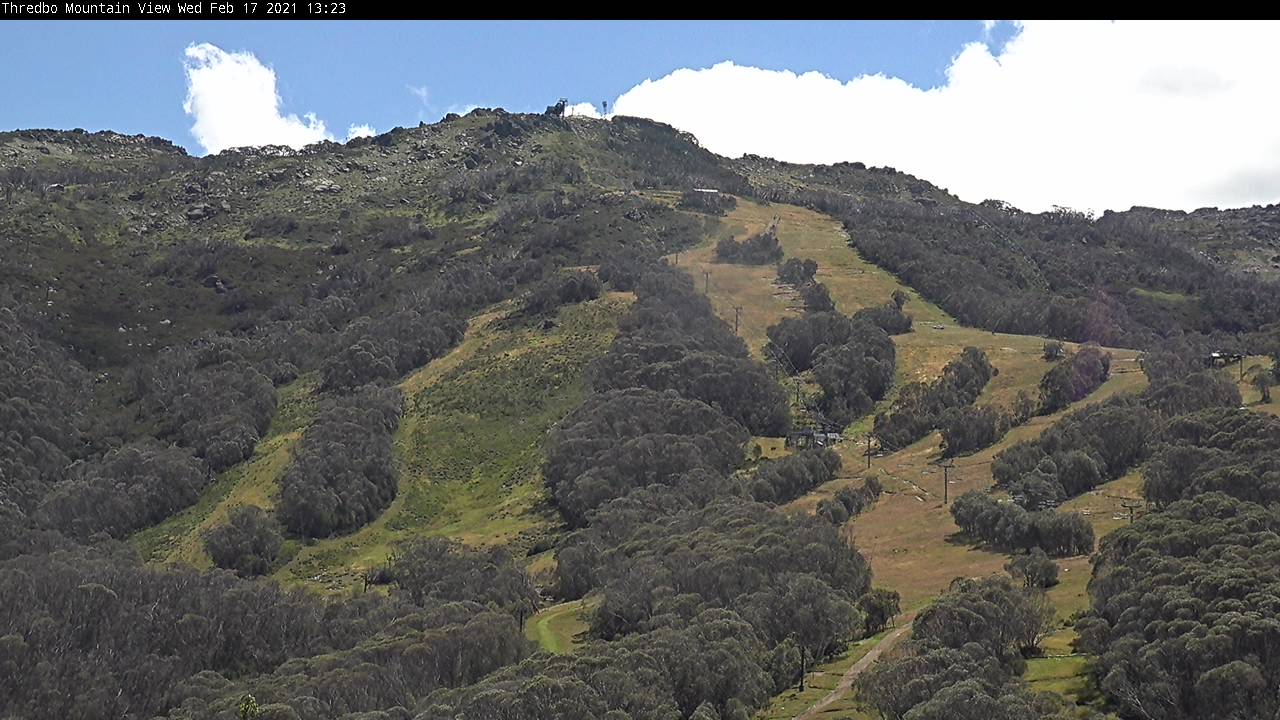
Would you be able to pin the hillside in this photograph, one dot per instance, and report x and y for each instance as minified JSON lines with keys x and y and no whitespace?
{"x":497,"y":417}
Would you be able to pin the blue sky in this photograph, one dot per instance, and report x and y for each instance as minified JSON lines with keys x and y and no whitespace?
{"x":128,"y":76}
{"x":1092,"y":115}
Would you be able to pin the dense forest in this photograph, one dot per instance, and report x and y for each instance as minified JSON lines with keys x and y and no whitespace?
{"x":851,"y":358}
{"x":1186,"y":599}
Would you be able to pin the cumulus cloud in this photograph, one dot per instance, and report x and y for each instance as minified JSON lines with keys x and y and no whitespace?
{"x":233,"y":100}
{"x":360,"y":131}
{"x":1093,"y":115}
{"x":582,"y":109}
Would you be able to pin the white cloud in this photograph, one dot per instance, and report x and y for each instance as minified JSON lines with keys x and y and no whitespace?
{"x":233,"y":99}
{"x":360,"y":131}
{"x":582,"y":109}
{"x":1087,"y":114}
{"x":418,"y":91}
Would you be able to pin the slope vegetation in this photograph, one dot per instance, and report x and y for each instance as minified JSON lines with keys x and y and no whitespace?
{"x":908,"y":535}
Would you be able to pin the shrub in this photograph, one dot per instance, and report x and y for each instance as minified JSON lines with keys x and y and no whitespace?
{"x":760,"y":249}
{"x":248,"y":543}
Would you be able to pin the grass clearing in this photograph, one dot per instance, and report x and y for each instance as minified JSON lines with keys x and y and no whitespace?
{"x":470,"y":441}
{"x":753,"y":288}
{"x":559,"y":628}
{"x":1066,"y":676}
{"x":253,"y":482}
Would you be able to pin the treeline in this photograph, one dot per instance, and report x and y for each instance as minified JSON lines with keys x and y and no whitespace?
{"x":1116,"y":280}
{"x":1084,"y":449}
{"x":43,"y":394}
{"x":852,"y":358}
{"x":210,"y":398}
{"x":620,"y":440}
{"x":383,"y":349}
{"x":888,"y":317}
{"x":970,"y":428}
{"x":698,"y":589}
{"x":123,"y":491}
{"x":965,"y":658}
{"x":1184,"y":599}
{"x":856,"y":373}
{"x":343,"y":470}
{"x":1072,"y":379}
{"x":564,"y":288}
{"x":1009,"y":527}
{"x":708,"y":201}
{"x":440,"y":570}
{"x":801,"y":273}
{"x":177,"y":643}
{"x":248,"y":543}
{"x":1217,"y":450}
{"x":685,"y":563}
{"x":920,"y":408}
{"x":797,"y":272}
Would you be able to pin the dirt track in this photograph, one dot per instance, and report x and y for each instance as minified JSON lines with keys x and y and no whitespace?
{"x":853,"y":672}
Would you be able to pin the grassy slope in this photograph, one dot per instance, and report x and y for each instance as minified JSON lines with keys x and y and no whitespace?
{"x":908,"y":536}
{"x":253,"y":482}
{"x":469,"y":447}
{"x":470,"y":441}
{"x":751,"y":287}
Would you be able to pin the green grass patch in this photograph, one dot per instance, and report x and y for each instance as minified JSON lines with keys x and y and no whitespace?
{"x":180,"y":538}
{"x":558,"y":628}
{"x":1067,"y":676}
{"x":470,"y":444}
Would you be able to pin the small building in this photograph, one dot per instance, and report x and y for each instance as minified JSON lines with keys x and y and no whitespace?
{"x":1219,"y":358}
{"x":801,"y":439}
{"x":810,"y":438}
